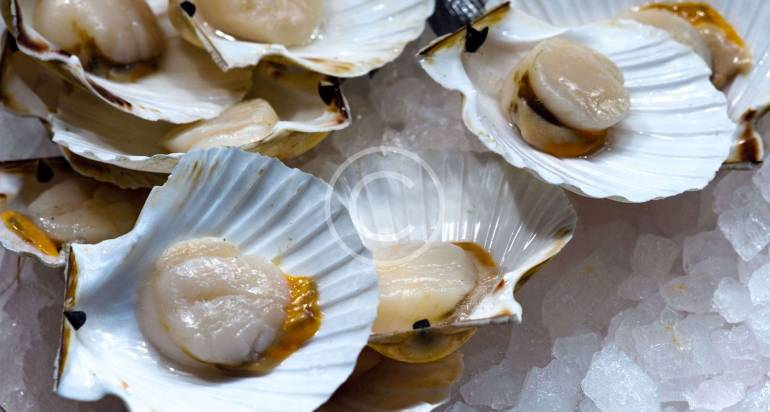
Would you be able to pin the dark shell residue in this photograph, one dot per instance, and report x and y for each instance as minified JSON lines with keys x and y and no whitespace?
{"x":451,"y":15}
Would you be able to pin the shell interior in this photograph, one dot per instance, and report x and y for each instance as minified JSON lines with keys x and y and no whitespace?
{"x":87,"y":127}
{"x":446,"y":196}
{"x":355,"y":38}
{"x":21,"y":182}
{"x":747,"y":97}
{"x":652,"y":154}
{"x":267,"y":210}
{"x":173,"y":92}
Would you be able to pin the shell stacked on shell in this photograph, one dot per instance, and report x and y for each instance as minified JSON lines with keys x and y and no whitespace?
{"x":237,"y":282}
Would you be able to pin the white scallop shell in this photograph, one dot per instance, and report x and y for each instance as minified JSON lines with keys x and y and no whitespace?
{"x":88,"y":127}
{"x":355,"y":38}
{"x":19,"y":186}
{"x":675,"y":138}
{"x":748,"y":97}
{"x":266,"y":209}
{"x":396,"y":197}
{"x":173,"y":93}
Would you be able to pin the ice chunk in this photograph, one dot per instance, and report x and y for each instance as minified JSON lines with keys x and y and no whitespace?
{"x":725,"y":196}
{"x":759,"y":285}
{"x":677,"y":408}
{"x":717,"y":268}
{"x":616,"y":384}
{"x":585,"y":296}
{"x":682,"y":351}
{"x":759,"y":322}
{"x":761,"y":180}
{"x":587,"y":405}
{"x":496,"y":387}
{"x":746,"y":269}
{"x":691,"y":293}
{"x":705,"y":245}
{"x":670,"y":317}
{"x":622,"y":326}
{"x":654,"y":256}
{"x":740,"y":354}
{"x":579,"y":349}
{"x":732,"y":300}
{"x":716,"y":394}
{"x":756,"y":400}
{"x":461,"y":407}
{"x":747,"y":228}
{"x":555,"y":388}
{"x":638,"y":287}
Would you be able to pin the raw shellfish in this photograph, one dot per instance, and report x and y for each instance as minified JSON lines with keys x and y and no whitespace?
{"x":353,"y":38}
{"x":264,"y":208}
{"x":45,"y":206}
{"x":446,"y":197}
{"x":184,"y":87}
{"x":650,"y":154}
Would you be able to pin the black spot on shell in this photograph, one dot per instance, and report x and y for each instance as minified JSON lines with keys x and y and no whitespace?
{"x":421,"y":324}
{"x":474,"y":39}
{"x":12,"y":46}
{"x":43,"y":173}
{"x":76,"y":318}
{"x":327,"y":90}
{"x":188,"y":7}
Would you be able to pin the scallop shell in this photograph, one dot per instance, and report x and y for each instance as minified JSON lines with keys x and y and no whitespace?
{"x":748,"y":97}
{"x":355,"y":38}
{"x":266,"y":209}
{"x":380,"y":384}
{"x":87,"y":127}
{"x":665,"y":147}
{"x":20,"y":183}
{"x":173,"y":93}
{"x":455,"y":196}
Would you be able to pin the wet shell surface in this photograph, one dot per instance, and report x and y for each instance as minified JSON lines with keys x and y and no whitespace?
{"x":675,"y":138}
{"x":21,"y":185}
{"x":379,"y":384}
{"x":748,"y":97}
{"x":186,"y":86}
{"x":266,"y":209}
{"x":456,"y":197}
{"x":354,"y":38}
{"x":308,"y":107}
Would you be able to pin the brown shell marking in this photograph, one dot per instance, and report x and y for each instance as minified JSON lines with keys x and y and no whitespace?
{"x":564,"y":235}
{"x":750,"y":146}
{"x":333,"y":65}
{"x":698,"y":14}
{"x":69,"y":304}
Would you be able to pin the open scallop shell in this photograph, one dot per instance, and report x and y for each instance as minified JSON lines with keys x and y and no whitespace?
{"x":748,"y":97}
{"x":675,"y":138}
{"x":266,"y":209}
{"x":173,"y":93}
{"x":460,"y":197}
{"x":20,"y":184}
{"x":355,"y":38}
{"x":379,"y":384}
{"x":87,"y":127}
